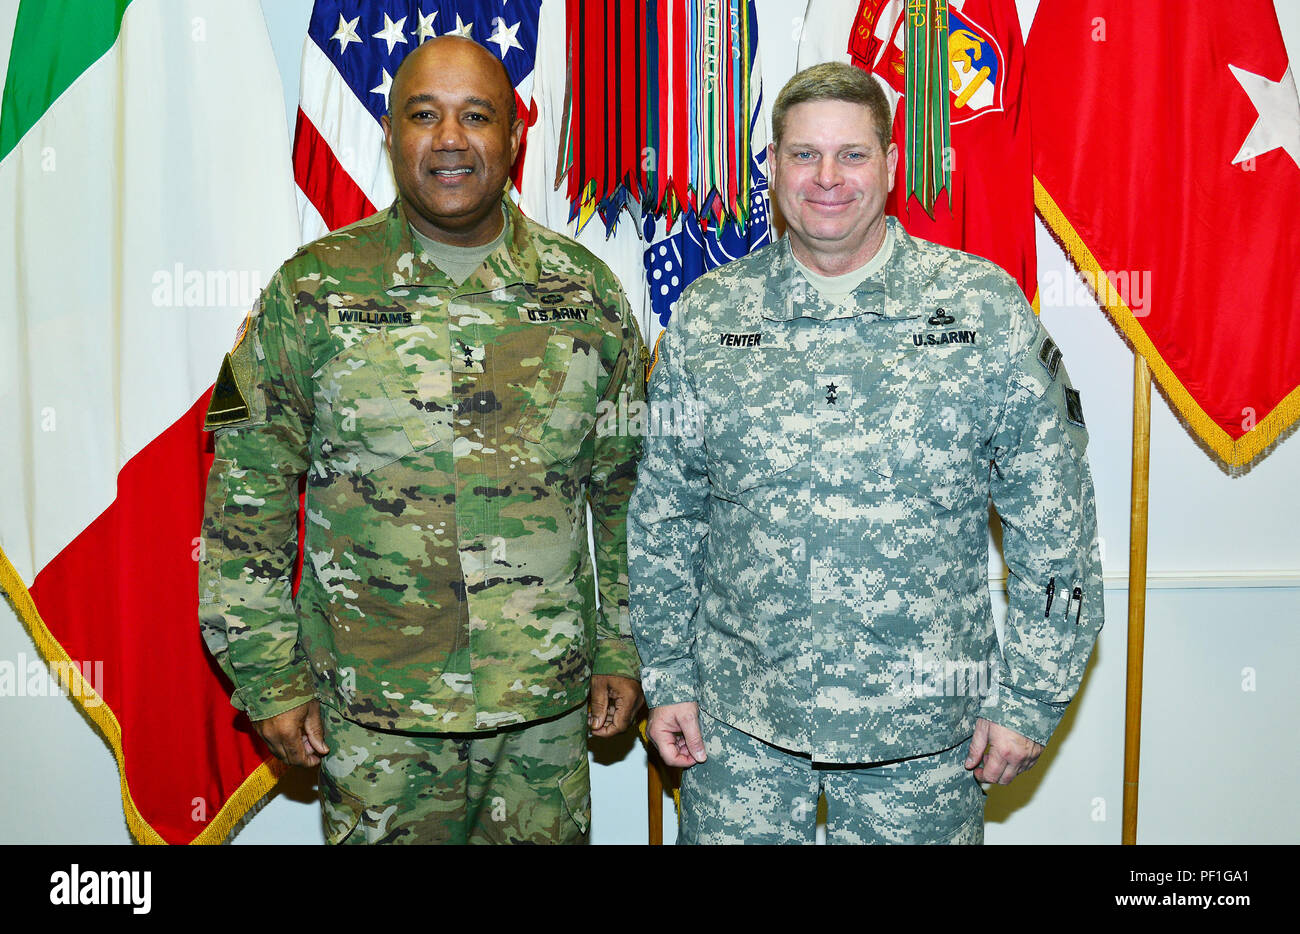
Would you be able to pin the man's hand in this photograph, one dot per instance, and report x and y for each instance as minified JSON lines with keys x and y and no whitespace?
{"x":999,"y":754}
{"x":295,"y":736}
{"x":613,"y":702}
{"x":675,"y":731}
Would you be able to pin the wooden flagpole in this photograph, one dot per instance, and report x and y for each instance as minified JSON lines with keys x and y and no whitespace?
{"x":1137,"y":590}
{"x":655,"y":804}
{"x":654,"y":784}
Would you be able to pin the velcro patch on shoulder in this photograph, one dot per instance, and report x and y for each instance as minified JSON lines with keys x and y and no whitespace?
{"x":1073,"y":406}
{"x":237,"y":397}
{"x":243,"y":330}
{"x":228,"y":404}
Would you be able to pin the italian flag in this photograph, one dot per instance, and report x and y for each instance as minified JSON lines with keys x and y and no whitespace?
{"x":144,"y":153}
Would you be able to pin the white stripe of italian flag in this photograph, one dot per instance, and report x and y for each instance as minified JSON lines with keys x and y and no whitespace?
{"x":144,"y":150}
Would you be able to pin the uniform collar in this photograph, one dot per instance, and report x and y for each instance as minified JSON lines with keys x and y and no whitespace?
{"x":883,"y":295}
{"x":514,"y":262}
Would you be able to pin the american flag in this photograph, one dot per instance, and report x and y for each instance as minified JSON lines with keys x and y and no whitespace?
{"x":352,"y":51}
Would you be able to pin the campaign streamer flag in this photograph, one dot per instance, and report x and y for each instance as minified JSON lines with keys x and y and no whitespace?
{"x":1167,"y":161}
{"x":144,"y":163}
{"x":690,"y":247}
{"x":349,"y":58}
{"x":988,"y":206}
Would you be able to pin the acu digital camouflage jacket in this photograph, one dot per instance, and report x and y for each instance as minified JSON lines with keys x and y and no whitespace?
{"x":809,"y":536}
{"x":446,"y":436}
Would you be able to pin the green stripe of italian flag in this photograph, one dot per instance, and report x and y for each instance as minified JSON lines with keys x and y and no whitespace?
{"x":144,"y":161}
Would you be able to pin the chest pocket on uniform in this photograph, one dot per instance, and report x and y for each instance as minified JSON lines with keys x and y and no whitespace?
{"x":369,"y":409}
{"x":561,"y":407}
{"x":753,"y":449}
{"x":933,"y":447}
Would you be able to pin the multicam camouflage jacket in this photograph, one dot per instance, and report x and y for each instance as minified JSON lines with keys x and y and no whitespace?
{"x":808,"y":541}
{"x":446,"y":436}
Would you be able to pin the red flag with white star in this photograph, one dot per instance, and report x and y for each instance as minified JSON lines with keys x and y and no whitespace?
{"x":1167,"y":161}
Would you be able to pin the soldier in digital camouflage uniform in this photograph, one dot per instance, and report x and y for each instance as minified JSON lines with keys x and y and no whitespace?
{"x":447,"y":617}
{"x":808,"y":536}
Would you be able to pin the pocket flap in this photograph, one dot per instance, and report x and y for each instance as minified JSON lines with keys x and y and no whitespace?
{"x":575,"y":789}
{"x":342,"y":811}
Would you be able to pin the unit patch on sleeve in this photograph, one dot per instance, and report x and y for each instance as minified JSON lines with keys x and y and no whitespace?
{"x":1049,"y":355}
{"x":228,"y":403}
{"x":1073,"y":406}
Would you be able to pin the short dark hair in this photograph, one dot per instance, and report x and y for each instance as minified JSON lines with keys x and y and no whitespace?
{"x":834,"y":81}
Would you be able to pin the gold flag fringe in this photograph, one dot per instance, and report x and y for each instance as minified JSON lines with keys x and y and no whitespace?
{"x":1234,"y":453}
{"x":252,"y":790}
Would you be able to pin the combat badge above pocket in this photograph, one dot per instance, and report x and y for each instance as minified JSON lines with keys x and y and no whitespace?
{"x":561,"y":407}
{"x":365,"y":416}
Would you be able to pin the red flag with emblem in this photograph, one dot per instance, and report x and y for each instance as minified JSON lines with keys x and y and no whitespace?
{"x":988,"y":209}
{"x":1167,"y":160}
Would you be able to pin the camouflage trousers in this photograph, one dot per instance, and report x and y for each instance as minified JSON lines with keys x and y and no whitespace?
{"x":523,"y":784}
{"x":748,"y":791}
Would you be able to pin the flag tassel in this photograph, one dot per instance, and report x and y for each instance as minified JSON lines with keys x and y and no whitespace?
{"x":255,"y":787}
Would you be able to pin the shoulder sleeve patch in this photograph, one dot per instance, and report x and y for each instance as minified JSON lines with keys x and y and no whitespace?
{"x":242,"y":332}
{"x":1073,"y":405}
{"x":1049,"y":355}
{"x":228,"y":404}
{"x":236,"y":396}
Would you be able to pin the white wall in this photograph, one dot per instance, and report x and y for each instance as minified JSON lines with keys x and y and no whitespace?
{"x":1219,"y":763}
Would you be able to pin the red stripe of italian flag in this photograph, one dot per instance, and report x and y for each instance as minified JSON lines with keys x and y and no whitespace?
{"x":144,"y":149}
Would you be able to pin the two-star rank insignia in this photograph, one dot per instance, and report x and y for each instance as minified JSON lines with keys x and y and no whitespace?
{"x":832,"y":393}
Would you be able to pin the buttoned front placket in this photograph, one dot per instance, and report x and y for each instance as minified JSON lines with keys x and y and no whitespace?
{"x":465,"y":328}
{"x":479,"y":310}
{"x":852,"y":350}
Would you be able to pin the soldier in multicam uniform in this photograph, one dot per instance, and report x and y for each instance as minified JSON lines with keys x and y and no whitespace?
{"x":437,"y":383}
{"x":808,"y":552}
